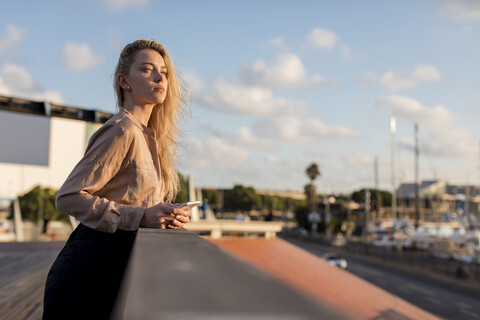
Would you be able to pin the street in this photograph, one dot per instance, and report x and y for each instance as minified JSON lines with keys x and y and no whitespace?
{"x":431,"y":296}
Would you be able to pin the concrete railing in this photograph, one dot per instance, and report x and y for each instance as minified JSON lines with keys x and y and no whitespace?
{"x":178,"y":275}
{"x":217,"y":228}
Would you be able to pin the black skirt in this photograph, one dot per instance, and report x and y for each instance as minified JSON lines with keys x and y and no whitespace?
{"x":84,"y":280}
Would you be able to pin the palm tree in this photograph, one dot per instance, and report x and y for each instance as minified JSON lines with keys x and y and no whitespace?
{"x":312,"y":172}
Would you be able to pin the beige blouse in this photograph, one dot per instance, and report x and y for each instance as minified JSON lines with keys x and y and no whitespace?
{"x":118,"y":177}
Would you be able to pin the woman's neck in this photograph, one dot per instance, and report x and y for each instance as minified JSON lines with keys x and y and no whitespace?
{"x":141,"y":113}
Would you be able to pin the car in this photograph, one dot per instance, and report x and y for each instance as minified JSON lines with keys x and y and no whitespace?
{"x":335,"y":260}
{"x":299,"y":231}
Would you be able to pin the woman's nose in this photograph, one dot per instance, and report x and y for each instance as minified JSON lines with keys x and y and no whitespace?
{"x":158,"y":77}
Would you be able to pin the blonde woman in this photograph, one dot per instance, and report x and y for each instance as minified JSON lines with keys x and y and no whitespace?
{"x":127,"y":179}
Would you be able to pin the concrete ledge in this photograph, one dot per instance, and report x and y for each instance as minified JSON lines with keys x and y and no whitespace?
{"x":175,"y":274}
{"x":218,"y":227}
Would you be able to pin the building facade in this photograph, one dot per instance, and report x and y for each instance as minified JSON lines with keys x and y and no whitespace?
{"x":40,"y":143}
{"x":438,"y":201}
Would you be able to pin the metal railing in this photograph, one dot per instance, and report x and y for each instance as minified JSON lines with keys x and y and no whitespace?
{"x":415,"y":260}
{"x":420,"y":260}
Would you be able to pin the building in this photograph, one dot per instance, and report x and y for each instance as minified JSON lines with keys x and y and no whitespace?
{"x":438,"y":200}
{"x":293,"y":194}
{"x":40,"y":143}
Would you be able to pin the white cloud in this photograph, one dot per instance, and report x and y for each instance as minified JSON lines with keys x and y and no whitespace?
{"x":272,"y":159}
{"x":322,"y":38}
{"x":4,"y":89}
{"x":240,"y":99}
{"x":193,"y":81}
{"x":17,"y":77}
{"x":214,"y":151}
{"x":17,"y":81}
{"x":368,"y":79}
{"x":291,"y":128}
{"x":281,"y":128}
{"x":13,"y":36}
{"x":426,"y":73}
{"x":124,"y":4}
{"x":358,"y":159}
{"x":287,"y":173}
{"x":278,"y":43}
{"x":445,"y":143}
{"x":396,"y":81}
{"x":413,"y":110}
{"x":244,"y":136}
{"x":251,"y":92}
{"x":462,"y":9}
{"x":79,"y":56}
{"x":288,"y":72}
{"x":317,"y":129}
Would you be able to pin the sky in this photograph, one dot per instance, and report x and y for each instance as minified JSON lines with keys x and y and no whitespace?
{"x":276,"y":85}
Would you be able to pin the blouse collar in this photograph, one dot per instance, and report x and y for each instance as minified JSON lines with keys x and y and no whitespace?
{"x":144,"y":128}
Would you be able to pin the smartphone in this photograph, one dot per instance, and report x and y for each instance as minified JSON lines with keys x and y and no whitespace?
{"x":189,"y":204}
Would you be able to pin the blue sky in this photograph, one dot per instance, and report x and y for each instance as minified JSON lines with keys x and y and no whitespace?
{"x":276,"y":85}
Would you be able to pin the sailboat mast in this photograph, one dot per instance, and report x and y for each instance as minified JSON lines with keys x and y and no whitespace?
{"x":394,"y":183}
{"x":417,"y":196}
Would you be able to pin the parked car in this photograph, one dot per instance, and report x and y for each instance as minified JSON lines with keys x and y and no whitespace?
{"x":299,"y":231}
{"x":335,"y":260}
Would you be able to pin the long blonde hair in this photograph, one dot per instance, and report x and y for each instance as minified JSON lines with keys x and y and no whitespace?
{"x":166,"y":118}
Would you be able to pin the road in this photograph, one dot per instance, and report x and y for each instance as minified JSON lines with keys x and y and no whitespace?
{"x":434,"y":297}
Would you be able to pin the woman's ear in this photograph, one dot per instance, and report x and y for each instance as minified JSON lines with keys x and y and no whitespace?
{"x":122,"y":81}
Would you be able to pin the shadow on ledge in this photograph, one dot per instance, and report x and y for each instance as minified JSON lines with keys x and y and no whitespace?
{"x":175,"y":274}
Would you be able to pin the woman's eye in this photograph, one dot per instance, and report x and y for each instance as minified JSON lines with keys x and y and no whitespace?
{"x":147,"y":70}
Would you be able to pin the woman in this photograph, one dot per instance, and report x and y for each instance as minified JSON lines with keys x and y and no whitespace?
{"x":126,"y":180}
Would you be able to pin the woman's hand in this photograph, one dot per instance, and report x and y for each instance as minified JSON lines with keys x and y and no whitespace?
{"x":165,"y":215}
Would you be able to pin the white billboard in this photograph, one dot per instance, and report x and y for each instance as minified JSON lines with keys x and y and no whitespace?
{"x":24,"y":138}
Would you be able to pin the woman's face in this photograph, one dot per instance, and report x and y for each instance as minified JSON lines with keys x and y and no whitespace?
{"x":147,"y":78}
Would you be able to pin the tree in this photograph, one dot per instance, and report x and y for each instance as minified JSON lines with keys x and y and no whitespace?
{"x":310,"y":192}
{"x":182,"y":194}
{"x":275,"y":203}
{"x":301,"y":214}
{"x":241,"y":198}
{"x":39,"y":203}
{"x":385,"y":197}
{"x":212,"y":196}
{"x":312,"y":172}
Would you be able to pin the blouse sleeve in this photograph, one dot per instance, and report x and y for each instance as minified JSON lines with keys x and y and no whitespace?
{"x":103,"y":158}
